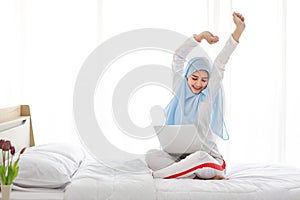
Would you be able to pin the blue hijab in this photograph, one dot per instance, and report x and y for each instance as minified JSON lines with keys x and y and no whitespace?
{"x":184,"y":106}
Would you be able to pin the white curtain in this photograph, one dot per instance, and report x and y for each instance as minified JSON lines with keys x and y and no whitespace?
{"x":44,"y":43}
{"x":260,"y":79}
{"x":11,"y":65}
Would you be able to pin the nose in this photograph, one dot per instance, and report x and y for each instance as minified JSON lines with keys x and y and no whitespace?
{"x":198,"y":83}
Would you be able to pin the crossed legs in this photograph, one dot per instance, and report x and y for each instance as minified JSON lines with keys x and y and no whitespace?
{"x":199,"y":164}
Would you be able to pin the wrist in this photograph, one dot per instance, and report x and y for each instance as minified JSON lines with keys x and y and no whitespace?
{"x":198,"y":37}
{"x":240,"y":27}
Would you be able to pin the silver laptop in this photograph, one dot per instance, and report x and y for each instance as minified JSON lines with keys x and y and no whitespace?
{"x":178,"y":139}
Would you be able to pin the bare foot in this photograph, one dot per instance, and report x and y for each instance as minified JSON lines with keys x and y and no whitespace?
{"x":218,"y":177}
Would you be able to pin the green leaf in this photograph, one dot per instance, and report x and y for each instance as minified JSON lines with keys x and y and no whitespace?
{"x":2,"y":169}
{"x":15,"y":174}
{"x":3,"y":174}
{"x":16,"y":162}
{"x":10,"y":175}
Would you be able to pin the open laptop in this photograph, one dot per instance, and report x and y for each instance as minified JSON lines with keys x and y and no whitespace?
{"x":178,"y":139}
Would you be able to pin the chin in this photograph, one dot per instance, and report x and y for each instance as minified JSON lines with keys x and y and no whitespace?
{"x":196,"y":92}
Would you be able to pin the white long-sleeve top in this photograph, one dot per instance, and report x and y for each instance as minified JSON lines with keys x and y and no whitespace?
{"x":214,"y":84}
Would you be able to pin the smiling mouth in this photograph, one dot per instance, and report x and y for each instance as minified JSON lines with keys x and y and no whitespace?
{"x":196,"y":88}
{"x":196,"y":91}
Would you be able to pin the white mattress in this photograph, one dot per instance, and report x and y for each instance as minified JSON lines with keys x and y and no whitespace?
{"x":46,"y":195}
{"x":245,"y":182}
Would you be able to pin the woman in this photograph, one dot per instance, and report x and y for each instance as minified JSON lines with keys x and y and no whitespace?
{"x":198,"y":101}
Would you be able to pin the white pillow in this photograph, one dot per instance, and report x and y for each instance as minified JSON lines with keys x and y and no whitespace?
{"x":49,"y":166}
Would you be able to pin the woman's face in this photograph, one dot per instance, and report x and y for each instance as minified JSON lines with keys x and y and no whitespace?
{"x":198,"y":81}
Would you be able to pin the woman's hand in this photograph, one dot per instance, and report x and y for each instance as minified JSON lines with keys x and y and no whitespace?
{"x":209,"y":37}
{"x":239,"y":21}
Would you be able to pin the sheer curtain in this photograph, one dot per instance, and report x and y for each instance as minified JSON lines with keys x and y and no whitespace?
{"x":11,"y":65}
{"x":44,"y":43}
{"x":259,"y":82}
{"x":291,"y":136}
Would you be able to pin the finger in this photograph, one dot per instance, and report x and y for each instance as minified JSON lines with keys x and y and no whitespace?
{"x":239,"y":15}
{"x":242,"y":18}
{"x":211,"y":41}
{"x":210,"y":34}
{"x":215,"y":39}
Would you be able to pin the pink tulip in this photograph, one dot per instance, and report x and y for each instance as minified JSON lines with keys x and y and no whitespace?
{"x":9,"y":166}
{"x":22,"y":151}
{"x":12,"y":150}
{"x":6,"y":145}
{"x":1,"y":143}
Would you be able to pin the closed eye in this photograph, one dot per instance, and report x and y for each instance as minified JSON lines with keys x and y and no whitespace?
{"x":204,"y":79}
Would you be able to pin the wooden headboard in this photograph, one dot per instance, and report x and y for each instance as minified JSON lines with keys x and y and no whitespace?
{"x":16,"y":125}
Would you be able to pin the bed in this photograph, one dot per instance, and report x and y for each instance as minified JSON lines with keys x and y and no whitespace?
{"x":64,"y":171}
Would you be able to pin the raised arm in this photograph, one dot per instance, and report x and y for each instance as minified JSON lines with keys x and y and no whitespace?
{"x":215,"y":79}
{"x":224,"y":55}
{"x":239,"y":21}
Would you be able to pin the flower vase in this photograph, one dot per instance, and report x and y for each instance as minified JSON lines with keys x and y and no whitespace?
{"x":5,"y":192}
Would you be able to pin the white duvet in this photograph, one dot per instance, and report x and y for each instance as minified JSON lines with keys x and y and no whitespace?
{"x":245,"y":182}
{"x":46,"y":170}
{"x":118,"y":181}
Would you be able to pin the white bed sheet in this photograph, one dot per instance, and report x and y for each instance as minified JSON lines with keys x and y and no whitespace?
{"x":245,"y":182}
{"x":19,"y":193}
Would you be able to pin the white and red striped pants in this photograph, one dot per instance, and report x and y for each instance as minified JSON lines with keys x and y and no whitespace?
{"x":199,"y":164}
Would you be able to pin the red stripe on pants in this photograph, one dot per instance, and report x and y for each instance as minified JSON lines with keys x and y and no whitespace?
{"x":211,"y":165}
